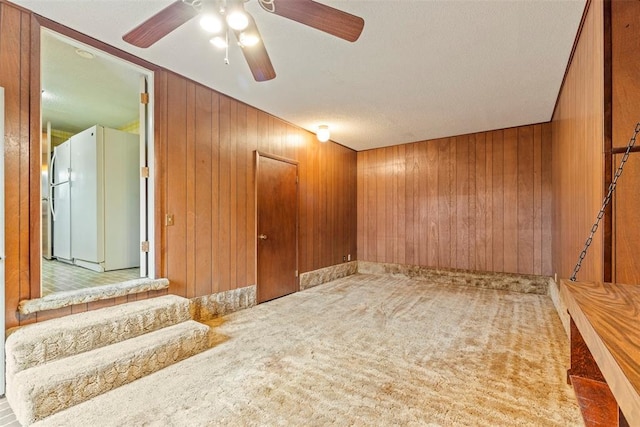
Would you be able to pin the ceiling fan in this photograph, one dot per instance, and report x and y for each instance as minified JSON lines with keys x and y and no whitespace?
{"x":221,"y":16}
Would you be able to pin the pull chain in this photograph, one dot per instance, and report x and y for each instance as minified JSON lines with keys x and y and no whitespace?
{"x":605,"y":202}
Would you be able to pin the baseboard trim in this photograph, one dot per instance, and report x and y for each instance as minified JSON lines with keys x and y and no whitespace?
{"x":314,"y":278}
{"x":524,"y":283}
{"x":209,"y":307}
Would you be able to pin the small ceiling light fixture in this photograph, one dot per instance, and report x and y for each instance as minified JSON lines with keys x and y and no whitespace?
{"x":249,"y":39}
{"x":219,"y":42}
{"x":323,"y":133}
{"x":211,"y":23}
{"x":84,"y":54}
{"x":237,"y":19}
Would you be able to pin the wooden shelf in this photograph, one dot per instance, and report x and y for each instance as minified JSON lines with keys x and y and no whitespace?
{"x":605,"y":343}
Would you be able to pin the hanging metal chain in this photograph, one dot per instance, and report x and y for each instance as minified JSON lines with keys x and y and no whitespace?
{"x":605,"y":202}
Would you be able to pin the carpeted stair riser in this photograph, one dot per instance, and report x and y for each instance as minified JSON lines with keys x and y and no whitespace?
{"x":40,"y":343}
{"x":40,"y":391}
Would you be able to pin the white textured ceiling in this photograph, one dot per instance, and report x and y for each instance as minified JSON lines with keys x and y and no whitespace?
{"x":420,"y":70}
{"x":79,"y":93}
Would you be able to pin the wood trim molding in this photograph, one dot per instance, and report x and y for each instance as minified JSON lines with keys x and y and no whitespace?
{"x":274,"y":157}
{"x":607,"y":245}
{"x":104,"y":47}
{"x":35,"y":136}
{"x":622,"y":150}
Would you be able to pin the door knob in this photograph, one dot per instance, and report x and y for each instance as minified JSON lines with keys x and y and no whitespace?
{"x":262,"y":237}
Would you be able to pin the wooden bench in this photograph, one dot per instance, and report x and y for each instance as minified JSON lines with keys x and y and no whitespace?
{"x":605,"y":351}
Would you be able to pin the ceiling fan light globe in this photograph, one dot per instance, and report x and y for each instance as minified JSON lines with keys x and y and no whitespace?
{"x":237,"y":20}
{"x":211,"y":23}
{"x":249,"y":39}
{"x":219,"y":42}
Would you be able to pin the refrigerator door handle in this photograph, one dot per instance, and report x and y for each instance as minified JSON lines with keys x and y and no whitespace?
{"x":53,"y":213}
{"x":53,"y":162}
{"x":52,"y":181}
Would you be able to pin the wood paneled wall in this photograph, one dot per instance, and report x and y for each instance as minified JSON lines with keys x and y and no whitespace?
{"x":578,"y":159}
{"x":21,"y":217}
{"x":205,"y":178}
{"x":477,"y":202}
{"x":625,"y":23}
{"x":205,"y":158}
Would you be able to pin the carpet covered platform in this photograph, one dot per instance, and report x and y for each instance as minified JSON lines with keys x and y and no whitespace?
{"x":362,"y":350}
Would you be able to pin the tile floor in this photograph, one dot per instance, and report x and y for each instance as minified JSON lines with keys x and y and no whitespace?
{"x":59,"y":276}
{"x":7,"y":418}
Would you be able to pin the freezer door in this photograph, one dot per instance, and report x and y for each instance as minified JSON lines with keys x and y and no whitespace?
{"x":61,"y":201}
{"x":62,"y":222}
{"x":61,"y":163}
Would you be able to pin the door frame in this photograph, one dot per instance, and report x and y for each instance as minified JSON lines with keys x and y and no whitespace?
{"x":258,"y":155}
{"x":2,"y":255}
{"x":148,"y":69}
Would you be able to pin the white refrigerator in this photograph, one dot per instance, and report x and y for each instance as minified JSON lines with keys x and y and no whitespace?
{"x":96,"y":200}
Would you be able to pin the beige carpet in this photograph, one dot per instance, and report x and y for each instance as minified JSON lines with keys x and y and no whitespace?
{"x":364,"y":350}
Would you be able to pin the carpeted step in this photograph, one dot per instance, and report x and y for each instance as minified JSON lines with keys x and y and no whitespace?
{"x":43,"y":390}
{"x":39,"y":343}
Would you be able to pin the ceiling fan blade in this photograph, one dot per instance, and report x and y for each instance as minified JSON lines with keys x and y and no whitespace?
{"x":320,"y":16}
{"x":256,"y":55}
{"x":160,"y":24}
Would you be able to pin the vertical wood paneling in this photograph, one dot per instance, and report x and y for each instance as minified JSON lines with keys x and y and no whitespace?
{"x":462,"y":242}
{"x":204,"y":177}
{"x":160,"y":159}
{"x":203,"y":193}
{"x":444,"y":203}
{"x":627,"y":207}
{"x":452,"y":199}
{"x":216,"y":249}
{"x":432,"y":197}
{"x":488,"y":198}
{"x":25,"y":166}
{"x":381,"y":204}
{"x":625,"y":17}
{"x":10,"y":68}
{"x":471,"y":197}
{"x":409,"y":250}
{"x":176,"y":184}
{"x":480,"y":260}
{"x":224,"y":209}
{"x":252,"y":145}
{"x":422,"y":207}
{"x":469,"y":201}
{"x":401,"y":208}
{"x":190,"y":170}
{"x":525,"y":191}
{"x":537,"y":199}
{"x":35,"y":127}
{"x":209,"y":166}
{"x":361,"y":192}
{"x":578,"y":145}
{"x":510,"y":206}
{"x":233,"y":197}
{"x":242,"y":194}
{"x":546,"y":189}
{"x":498,"y":201}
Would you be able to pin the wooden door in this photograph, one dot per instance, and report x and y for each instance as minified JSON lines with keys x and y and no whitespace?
{"x":277,"y":228}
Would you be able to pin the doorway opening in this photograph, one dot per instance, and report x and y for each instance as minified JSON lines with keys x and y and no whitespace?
{"x":96,"y":160}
